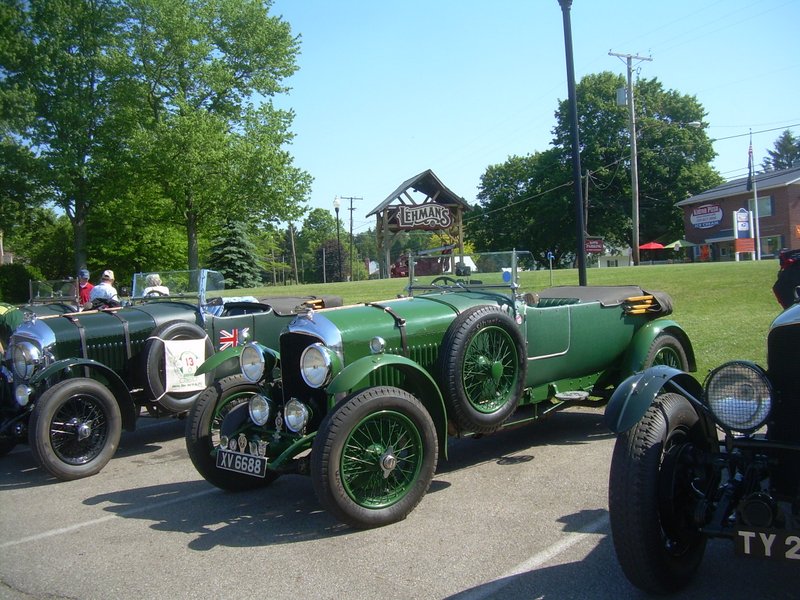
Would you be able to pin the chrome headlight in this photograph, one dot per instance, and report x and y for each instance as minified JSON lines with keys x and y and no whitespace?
{"x":315,"y":365}
{"x":296,"y":415}
{"x":739,"y":395}
{"x":259,"y":407}
{"x":25,"y":356}
{"x":251,"y":363}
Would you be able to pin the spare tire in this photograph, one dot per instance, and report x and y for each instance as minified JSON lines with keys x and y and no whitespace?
{"x":482,"y":368}
{"x":154,"y":367}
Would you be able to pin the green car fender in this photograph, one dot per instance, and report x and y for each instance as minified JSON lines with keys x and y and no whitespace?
{"x":271,"y":358}
{"x":418,"y":382}
{"x":636,"y":354}
{"x":86,"y":366}
{"x":633,"y":397}
{"x":217,"y":359}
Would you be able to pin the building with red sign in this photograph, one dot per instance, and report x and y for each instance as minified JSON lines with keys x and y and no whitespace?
{"x":710,"y":218}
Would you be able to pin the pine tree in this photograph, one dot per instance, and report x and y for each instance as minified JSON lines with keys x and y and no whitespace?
{"x":235,"y":256}
{"x":785,"y":155}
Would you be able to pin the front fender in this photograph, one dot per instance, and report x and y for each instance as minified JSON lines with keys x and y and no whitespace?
{"x":634,"y":396}
{"x":210,"y":364}
{"x":217,"y":359}
{"x":639,"y":347}
{"x":85,"y":366}
{"x":417,"y":382}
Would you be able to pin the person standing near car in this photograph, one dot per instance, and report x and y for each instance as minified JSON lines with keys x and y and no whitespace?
{"x":84,"y":287}
{"x":105,"y":292}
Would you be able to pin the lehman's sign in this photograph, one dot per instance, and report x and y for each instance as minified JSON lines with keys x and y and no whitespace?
{"x":422,"y":216}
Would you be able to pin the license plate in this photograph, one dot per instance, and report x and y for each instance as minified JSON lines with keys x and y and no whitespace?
{"x":769,"y":543}
{"x":246,"y":464}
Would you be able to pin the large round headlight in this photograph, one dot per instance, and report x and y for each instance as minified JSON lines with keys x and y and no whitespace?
{"x":296,"y":414}
{"x":25,"y":356}
{"x":259,"y":407}
{"x":251,"y":363}
{"x":739,"y":395}
{"x":315,"y":365}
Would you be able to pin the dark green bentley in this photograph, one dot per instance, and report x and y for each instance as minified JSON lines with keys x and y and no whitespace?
{"x":364,"y":398}
{"x":71,"y":380}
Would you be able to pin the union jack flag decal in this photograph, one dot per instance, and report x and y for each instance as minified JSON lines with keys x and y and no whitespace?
{"x":232,"y":338}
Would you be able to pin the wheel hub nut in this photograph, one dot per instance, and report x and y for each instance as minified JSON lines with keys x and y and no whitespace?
{"x":84,"y":431}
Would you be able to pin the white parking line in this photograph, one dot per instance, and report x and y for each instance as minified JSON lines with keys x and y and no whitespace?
{"x":536,"y":561}
{"x":124,"y":513}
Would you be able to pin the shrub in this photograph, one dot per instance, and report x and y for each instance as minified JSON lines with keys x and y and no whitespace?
{"x":14,"y":280}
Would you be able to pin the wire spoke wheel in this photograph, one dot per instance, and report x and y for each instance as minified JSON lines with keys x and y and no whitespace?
{"x":490,"y":369}
{"x":79,"y":430}
{"x":75,"y":428}
{"x":374,"y":457}
{"x":381,"y":459}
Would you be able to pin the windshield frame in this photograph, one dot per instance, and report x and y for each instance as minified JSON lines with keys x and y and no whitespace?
{"x":466,"y":280}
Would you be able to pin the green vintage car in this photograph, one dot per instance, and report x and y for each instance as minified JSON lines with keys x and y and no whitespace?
{"x":72,"y":380}
{"x":364,"y":398}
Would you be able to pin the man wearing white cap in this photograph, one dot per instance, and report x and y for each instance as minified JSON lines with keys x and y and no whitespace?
{"x":105,"y":291}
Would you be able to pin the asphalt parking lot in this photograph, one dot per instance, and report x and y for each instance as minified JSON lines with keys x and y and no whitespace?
{"x":521,"y":514}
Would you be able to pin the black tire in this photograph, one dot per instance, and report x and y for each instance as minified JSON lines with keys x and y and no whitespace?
{"x":204,"y":424}
{"x":75,"y":428}
{"x":651,"y":499}
{"x":357,"y":472}
{"x":667,"y":350}
{"x":482,"y":368}
{"x":154,"y":367}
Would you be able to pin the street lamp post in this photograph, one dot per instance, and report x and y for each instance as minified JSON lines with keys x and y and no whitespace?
{"x":336,"y":205}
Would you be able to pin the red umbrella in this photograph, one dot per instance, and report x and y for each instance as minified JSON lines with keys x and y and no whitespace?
{"x":651,"y":246}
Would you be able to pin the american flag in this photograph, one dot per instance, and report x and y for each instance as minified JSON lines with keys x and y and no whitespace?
{"x":230,"y":339}
{"x":750,"y":166}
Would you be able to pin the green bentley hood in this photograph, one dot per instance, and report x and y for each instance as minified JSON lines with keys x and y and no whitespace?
{"x":422,"y":320}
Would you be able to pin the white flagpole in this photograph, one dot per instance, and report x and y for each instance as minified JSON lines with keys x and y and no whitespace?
{"x":755,"y":231}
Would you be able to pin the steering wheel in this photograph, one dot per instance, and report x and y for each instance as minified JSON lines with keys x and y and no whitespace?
{"x":446,"y":279}
{"x":155,"y":293}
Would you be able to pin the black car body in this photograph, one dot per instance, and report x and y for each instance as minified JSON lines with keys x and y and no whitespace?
{"x":721,"y":460}
{"x":71,"y":381}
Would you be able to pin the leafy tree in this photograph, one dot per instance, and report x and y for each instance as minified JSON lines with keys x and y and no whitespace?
{"x":58,"y":87}
{"x":524,"y":205}
{"x":673,"y":155}
{"x":139,"y":242}
{"x":201,"y":65}
{"x":14,"y":282}
{"x":335,"y":259}
{"x":318,"y":226}
{"x":786,"y":153}
{"x":527,"y":201}
{"x":234,"y":255}
{"x":21,"y":197}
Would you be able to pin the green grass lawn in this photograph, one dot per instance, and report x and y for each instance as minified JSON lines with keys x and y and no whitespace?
{"x":725,"y":308}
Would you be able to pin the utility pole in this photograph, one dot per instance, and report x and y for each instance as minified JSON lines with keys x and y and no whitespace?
{"x":580,"y":250}
{"x":294,"y":254}
{"x":629,"y":58}
{"x":351,"y":209}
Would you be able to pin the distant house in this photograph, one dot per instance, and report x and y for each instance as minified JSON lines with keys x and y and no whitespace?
{"x":708,"y":218}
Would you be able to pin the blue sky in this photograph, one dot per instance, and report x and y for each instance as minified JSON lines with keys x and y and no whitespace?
{"x":388,"y":89}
